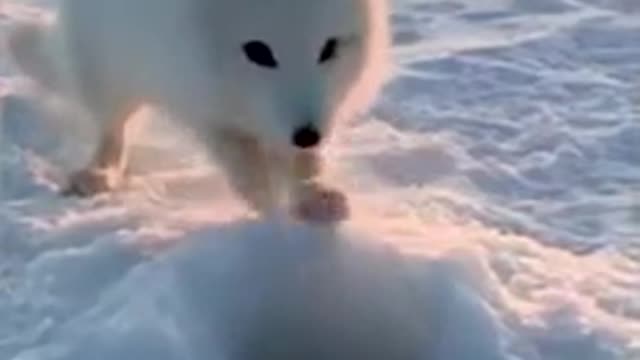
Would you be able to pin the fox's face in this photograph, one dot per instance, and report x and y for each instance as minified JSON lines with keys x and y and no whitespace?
{"x":291,"y":68}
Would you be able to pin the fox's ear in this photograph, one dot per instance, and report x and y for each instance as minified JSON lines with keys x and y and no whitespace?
{"x":26,"y":46}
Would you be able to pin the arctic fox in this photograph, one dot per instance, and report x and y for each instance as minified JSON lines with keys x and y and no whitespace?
{"x":261,"y":82}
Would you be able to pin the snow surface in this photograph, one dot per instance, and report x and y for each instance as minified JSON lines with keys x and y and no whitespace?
{"x":497,"y":213}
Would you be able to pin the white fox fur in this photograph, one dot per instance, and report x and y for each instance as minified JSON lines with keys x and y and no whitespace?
{"x":188,"y":57}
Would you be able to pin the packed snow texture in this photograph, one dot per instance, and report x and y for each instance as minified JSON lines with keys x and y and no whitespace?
{"x":496,"y":212}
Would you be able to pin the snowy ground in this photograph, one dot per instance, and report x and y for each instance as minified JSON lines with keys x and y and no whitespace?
{"x":497,"y":213}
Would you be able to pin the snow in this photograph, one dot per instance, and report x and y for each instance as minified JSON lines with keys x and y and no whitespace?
{"x":496,"y":212}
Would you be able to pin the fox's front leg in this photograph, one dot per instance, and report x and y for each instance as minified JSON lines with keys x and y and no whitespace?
{"x":247,"y":169}
{"x":107,"y":167}
{"x":311,"y":199}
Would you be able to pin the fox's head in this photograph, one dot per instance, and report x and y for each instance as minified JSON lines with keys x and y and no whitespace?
{"x":288,"y":69}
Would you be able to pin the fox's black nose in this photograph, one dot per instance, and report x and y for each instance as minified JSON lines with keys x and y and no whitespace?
{"x":306,"y":137}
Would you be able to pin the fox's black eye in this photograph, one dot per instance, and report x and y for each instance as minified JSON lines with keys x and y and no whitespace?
{"x":260,"y":54}
{"x":329,"y":51}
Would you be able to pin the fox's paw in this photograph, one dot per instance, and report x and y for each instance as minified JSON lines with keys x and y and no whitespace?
{"x":91,"y":182}
{"x":319,"y":204}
